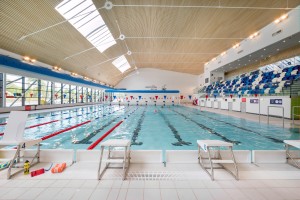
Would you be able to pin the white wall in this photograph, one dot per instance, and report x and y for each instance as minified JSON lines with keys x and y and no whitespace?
{"x":185,"y":83}
{"x":275,"y":110}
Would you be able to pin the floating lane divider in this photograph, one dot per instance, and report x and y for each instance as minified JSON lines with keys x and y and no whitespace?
{"x":67,"y":129}
{"x":93,"y":145}
{"x":41,"y":124}
{"x":64,"y":130}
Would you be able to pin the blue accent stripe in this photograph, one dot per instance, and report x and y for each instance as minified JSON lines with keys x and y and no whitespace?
{"x":17,"y":64}
{"x":142,"y":91}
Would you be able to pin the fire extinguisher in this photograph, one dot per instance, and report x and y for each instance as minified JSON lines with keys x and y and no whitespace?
{"x":26,"y":167}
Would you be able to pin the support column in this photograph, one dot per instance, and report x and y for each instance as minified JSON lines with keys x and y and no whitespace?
{"x":39,"y":91}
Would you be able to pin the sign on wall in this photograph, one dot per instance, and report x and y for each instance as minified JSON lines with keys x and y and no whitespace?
{"x":253,"y":100}
{"x":276,"y":101}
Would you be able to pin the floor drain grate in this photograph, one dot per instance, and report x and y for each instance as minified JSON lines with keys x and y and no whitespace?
{"x":154,"y":176}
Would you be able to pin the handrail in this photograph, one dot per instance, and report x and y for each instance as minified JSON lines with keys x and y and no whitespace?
{"x":293,"y":113}
{"x":282,"y":113}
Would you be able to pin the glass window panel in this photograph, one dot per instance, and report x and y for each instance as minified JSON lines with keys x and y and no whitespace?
{"x":13,"y":90}
{"x":31,"y":91}
{"x":57,"y":93}
{"x":46,"y":87}
{"x":66,"y":93}
{"x":73,"y":94}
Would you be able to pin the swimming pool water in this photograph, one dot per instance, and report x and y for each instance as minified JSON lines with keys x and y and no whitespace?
{"x":150,"y":128}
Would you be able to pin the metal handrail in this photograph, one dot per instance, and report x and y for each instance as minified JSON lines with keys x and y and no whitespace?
{"x":293,"y":113}
{"x":282,"y":113}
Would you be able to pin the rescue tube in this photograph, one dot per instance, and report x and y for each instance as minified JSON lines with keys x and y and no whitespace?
{"x":58,"y":168}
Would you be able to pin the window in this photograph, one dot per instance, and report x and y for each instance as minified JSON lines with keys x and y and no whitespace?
{"x":13,"y":90}
{"x":79,"y":95}
{"x":84,"y":92}
{"x":31,"y":91}
{"x":46,"y":94}
{"x":73,"y":94}
{"x":84,"y":16}
{"x":66,"y":93}
{"x":121,"y":63}
{"x":57,"y":93}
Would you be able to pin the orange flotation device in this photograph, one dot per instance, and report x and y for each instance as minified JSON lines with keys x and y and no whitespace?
{"x":58,"y":168}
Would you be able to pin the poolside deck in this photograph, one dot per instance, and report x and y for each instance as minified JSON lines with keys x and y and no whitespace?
{"x":154,"y":181}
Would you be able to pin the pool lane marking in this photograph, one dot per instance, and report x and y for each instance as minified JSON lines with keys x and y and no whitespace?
{"x":242,"y":128}
{"x":174,"y":131}
{"x":208,"y":129}
{"x":137,"y":130}
{"x":92,"y":146}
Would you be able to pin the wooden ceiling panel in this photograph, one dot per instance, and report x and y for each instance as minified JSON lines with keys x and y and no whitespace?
{"x":164,"y":34}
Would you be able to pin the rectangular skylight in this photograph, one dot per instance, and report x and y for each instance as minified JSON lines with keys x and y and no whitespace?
{"x":121,"y":63}
{"x":84,"y":16}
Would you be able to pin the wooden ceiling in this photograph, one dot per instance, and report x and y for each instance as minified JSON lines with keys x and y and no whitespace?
{"x":176,"y":35}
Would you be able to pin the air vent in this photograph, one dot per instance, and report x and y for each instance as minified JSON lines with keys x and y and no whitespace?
{"x":240,"y":51}
{"x":276,"y":33}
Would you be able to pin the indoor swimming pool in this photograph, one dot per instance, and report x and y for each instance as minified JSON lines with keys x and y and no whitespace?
{"x":150,"y":128}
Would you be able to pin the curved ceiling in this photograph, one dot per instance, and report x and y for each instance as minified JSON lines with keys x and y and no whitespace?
{"x":176,"y":35}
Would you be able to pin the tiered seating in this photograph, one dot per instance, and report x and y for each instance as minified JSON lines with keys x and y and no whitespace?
{"x":256,"y":82}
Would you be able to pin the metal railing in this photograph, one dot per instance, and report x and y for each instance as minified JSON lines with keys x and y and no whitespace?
{"x":282,"y":113}
{"x":293,"y":113}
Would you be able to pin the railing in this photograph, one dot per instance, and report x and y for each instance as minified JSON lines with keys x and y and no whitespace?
{"x":293,"y":113}
{"x":282,"y":113}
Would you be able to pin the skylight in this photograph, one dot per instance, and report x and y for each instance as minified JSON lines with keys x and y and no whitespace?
{"x":84,"y":16}
{"x":121,"y":63}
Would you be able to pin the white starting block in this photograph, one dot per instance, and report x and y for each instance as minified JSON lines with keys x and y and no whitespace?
{"x":294,"y":160}
{"x":210,"y":145}
{"x":125,"y":160}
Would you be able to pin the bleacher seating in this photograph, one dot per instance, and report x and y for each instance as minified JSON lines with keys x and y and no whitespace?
{"x":256,"y":82}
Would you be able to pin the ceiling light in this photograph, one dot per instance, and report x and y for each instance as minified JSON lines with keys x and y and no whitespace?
{"x":73,"y":74}
{"x":254,"y":35}
{"x":56,"y":68}
{"x":33,"y":60}
{"x":121,"y":63}
{"x":277,"y":49}
{"x":84,"y":16}
{"x":206,"y":63}
{"x":264,"y":49}
{"x":222,"y":54}
{"x":26,"y":58}
{"x":283,"y":17}
{"x":236,"y":46}
{"x":283,"y":40}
